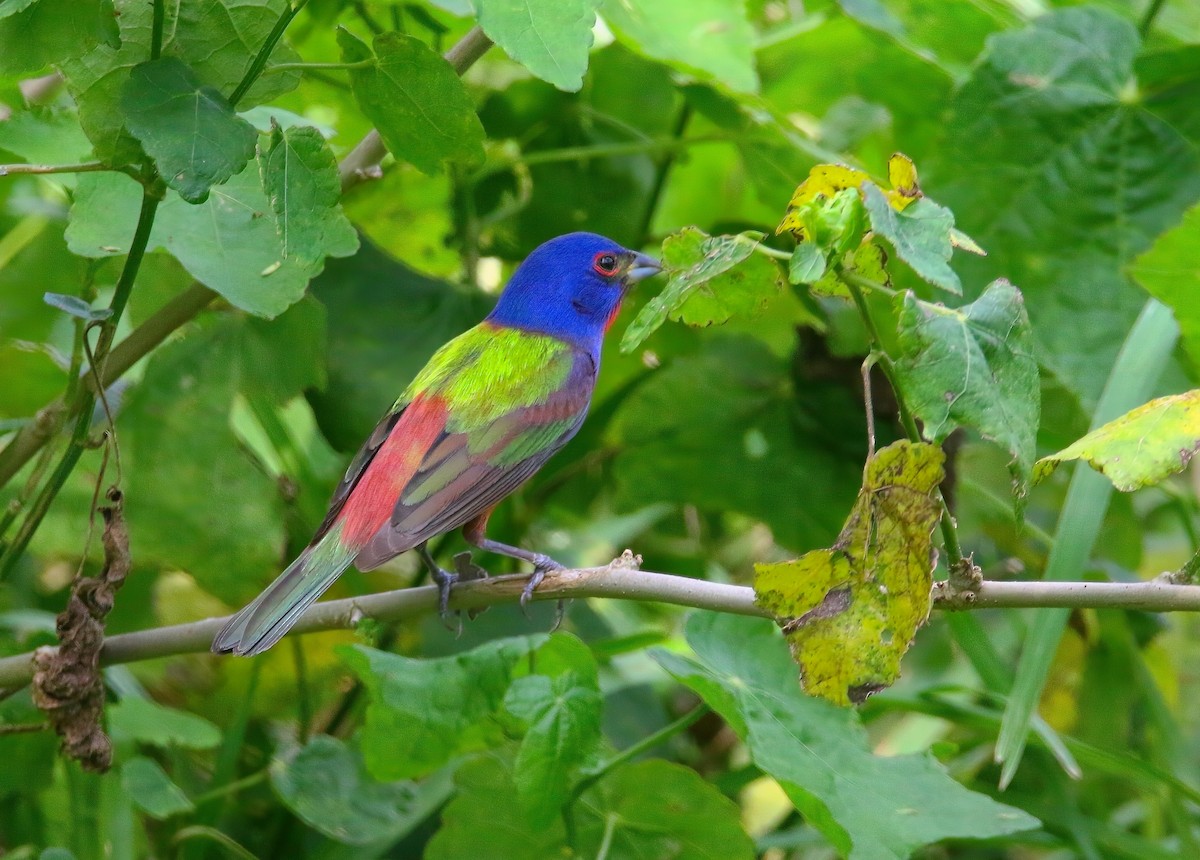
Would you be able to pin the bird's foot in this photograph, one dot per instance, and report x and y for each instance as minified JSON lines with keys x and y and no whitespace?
{"x":444,"y":580}
{"x":542,"y":564}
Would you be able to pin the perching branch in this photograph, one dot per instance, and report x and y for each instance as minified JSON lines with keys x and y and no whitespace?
{"x":354,"y":168}
{"x":621,"y":581}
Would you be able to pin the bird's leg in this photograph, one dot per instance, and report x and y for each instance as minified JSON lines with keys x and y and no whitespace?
{"x":474,"y":532}
{"x":442,"y":578}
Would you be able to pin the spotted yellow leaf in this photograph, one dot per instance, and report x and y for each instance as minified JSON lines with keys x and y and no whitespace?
{"x":1142,"y":447}
{"x":850,"y":611}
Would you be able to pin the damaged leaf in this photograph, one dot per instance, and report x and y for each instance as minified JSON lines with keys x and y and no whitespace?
{"x":1142,"y":447}
{"x":850,"y":611}
{"x":826,"y":181}
{"x":67,"y":686}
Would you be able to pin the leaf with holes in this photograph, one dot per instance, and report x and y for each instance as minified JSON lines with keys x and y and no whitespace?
{"x":974,"y":367}
{"x":1142,"y":447}
{"x":851,"y":610}
{"x":190,"y":130}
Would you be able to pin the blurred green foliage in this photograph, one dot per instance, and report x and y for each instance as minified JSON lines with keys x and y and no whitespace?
{"x":1063,"y":136}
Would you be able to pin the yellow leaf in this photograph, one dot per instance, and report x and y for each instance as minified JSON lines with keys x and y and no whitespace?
{"x":902,"y":174}
{"x":824,"y":181}
{"x":850,"y":611}
{"x":1144,"y":446}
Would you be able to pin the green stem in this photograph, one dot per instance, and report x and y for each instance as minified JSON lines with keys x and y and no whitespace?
{"x":600,"y":150}
{"x":83,"y":419}
{"x":308,"y":67}
{"x":232,"y":787}
{"x":81,"y":167}
{"x":156,"y":29}
{"x":855,"y":284}
{"x":264,"y":52}
{"x":629,"y":753}
{"x":1151,"y":13}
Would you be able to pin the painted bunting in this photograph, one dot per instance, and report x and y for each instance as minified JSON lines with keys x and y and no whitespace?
{"x":486,"y":412}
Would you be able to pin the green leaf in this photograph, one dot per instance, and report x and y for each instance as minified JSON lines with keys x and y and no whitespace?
{"x":12,"y":7}
{"x":709,"y":38}
{"x":35,"y":36}
{"x":561,"y":707}
{"x":45,"y":136}
{"x":326,"y":785}
{"x":850,"y":612}
{"x":41,"y":377}
{"x":867,"y":806}
{"x":409,"y":733}
{"x":415,"y":99}
{"x":230,"y":243}
{"x":807,"y":264}
{"x":1170,"y":271}
{"x":1052,"y":150}
{"x":148,"y":722}
{"x":706,"y":285}
{"x":651,"y":810}
{"x":151,"y":790}
{"x":551,"y":38}
{"x":217,"y":39}
{"x":733,"y":409}
{"x":867,"y":261}
{"x":920,"y":234}
{"x":973,"y":366}
{"x":286,"y":356}
{"x":1141,"y":448}
{"x":299,"y":174}
{"x":195,"y":498}
{"x":190,"y":130}
{"x":485,"y":782}
{"x":661,"y":809}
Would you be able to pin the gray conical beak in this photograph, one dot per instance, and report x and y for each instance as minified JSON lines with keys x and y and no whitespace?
{"x":642,"y":267}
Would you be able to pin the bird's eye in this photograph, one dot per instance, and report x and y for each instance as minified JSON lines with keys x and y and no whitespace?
{"x":605,"y":264}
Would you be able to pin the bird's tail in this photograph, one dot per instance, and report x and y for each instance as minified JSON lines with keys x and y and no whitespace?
{"x":270,"y":615}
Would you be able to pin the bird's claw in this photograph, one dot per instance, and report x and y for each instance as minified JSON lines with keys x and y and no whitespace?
{"x":444,"y":580}
{"x":542,"y":565}
{"x":469,"y":571}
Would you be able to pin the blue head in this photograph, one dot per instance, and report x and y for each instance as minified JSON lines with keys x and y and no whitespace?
{"x":571,"y":287}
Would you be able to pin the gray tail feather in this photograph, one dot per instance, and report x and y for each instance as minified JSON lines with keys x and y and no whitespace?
{"x":266,"y":619}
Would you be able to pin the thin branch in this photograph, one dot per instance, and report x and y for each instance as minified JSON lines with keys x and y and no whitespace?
{"x":614,"y":582}
{"x":1147,"y":21}
{"x":82,"y":167}
{"x":309,"y":67}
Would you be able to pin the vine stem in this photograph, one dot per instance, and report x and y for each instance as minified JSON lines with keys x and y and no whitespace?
{"x":1148,"y":19}
{"x":621,"y":583}
{"x":81,"y":167}
{"x":265,"y":50}
{"x":628,"y":754}
{"x":856,"y":284}
{"x":151,"y":197}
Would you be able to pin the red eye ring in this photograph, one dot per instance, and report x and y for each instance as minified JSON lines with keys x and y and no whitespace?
{"x":606,"y":264}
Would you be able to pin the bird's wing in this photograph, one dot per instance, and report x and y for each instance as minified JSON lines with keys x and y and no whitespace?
{"x":481,"y":458}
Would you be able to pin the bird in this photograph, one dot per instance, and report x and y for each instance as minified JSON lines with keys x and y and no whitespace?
{"x":486,"y":412}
